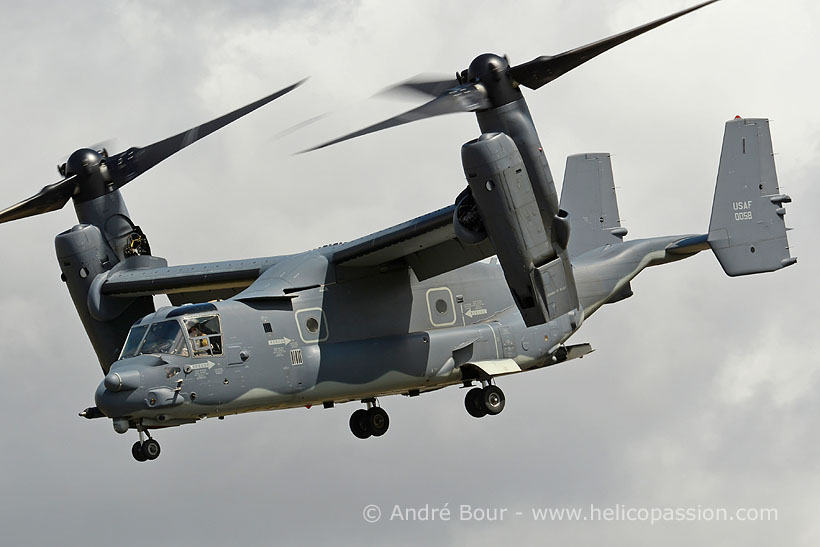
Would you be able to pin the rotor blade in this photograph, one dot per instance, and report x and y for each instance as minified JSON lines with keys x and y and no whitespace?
{"x":126,"y":166}
{"x":540,"y":71}
{"x":52,"y":197}
{"x":467,"y":98}
{"x":287,"y":131}
{"x":426,"y":84}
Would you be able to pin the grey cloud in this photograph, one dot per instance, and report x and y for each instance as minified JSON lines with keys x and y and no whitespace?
{"x":702,"y":390}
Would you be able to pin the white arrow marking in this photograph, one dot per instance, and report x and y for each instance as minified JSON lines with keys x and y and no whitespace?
{"x":279,"y":341}
{"x":473,"y":313}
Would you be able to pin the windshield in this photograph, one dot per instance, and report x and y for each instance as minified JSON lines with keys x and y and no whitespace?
{"x":133,"y":341}
{"x":162,"y":337}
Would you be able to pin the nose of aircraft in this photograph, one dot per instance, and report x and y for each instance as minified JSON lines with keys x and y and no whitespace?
{"x":122,"y":381}
{"x":122,"y":390}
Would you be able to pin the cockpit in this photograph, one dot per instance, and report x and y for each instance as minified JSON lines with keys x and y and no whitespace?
{"x":195,"y":335}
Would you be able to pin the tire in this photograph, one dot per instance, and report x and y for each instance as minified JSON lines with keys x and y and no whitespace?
{"x":358,"y":424}
{"x":474,"y":403}
{"x":493,"y":400}
{"x":136,"y":451}
{"x":150,"y":449}
{"x":377,"y":421}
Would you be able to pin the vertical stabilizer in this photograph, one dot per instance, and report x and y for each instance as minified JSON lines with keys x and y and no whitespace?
{"x":588,"y":194}
{"x":747,"y":231}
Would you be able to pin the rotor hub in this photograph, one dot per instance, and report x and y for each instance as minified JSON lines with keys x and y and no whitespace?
{"x":93,"y":178}
{"x":487,"y":67}
{"x":493,"y":71}
{"x":83,"y":161}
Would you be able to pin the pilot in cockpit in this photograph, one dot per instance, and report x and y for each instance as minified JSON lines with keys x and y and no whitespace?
{"x":199,"y":341}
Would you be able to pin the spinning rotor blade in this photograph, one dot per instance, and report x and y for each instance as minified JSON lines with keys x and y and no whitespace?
{"x":52,"y":197}
{"x":89,"y":171}
{"x":465,"y":98}
{"x":542,"y":70}
{"x":490,"y":82}
{"x":428,"y":85}
{"x":128,"y":165}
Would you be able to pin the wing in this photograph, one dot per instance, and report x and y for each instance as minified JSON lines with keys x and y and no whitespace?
{"x":427,"y":244}
{"x":139,"y":276}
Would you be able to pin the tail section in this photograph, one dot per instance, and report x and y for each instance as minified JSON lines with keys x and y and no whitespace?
{"x":747,"y":231}
{"x":588,"y":194}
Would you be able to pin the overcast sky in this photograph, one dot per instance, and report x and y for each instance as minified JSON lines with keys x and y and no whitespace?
{"x":703,"y":390}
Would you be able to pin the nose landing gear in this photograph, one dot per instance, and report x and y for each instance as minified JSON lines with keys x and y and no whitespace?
{"x":143,"y":450}
{"x":372,"y":421}
{"x":483,"y":401}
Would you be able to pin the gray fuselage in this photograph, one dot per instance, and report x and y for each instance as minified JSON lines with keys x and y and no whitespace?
{"x":353,"y":339}
{"x":337,"y":342}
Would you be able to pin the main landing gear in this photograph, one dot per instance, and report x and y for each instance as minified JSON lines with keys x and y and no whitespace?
{"x":372,"y":421}
{"x":483,"y":401}
{"x":143,"y":450}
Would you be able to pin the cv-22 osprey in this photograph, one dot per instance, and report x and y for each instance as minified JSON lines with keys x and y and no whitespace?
{"x":407,"y":310}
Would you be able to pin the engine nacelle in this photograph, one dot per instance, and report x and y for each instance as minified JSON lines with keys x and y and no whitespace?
{"x":528,"y":246}
{"x":84,"y":256}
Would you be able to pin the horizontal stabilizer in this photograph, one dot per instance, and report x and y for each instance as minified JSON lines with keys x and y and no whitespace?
{"x":588,"y":194}
{"x":747,"y":231}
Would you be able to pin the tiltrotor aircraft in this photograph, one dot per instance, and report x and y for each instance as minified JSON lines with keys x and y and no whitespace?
{"x":280,"y":332}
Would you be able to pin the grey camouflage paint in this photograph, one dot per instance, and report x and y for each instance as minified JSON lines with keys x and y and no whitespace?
{"x":384,"y":333}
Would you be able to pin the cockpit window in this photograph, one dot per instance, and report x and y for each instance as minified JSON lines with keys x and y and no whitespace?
{"x":165,"y":337}
{"x":205,"y":334}
{"x":168,"y":337}
{"x":133,"y":341}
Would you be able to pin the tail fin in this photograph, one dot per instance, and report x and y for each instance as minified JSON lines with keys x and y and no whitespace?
{"x":588,"y":194}
{"x":747,"y":231}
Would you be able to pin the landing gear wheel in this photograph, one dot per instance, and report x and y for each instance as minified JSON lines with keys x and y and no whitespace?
{"x":150,"y":449}
{"x":377,"y":421}
{"x":137,"y":452}
{"x":493,"y":400}
{"x":358,"y":424}
{"x":474,"y":403}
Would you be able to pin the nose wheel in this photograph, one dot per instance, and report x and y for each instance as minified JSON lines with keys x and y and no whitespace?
{"x":144,"y":450}
{"x":370,"y":422}
{"x":483,"y":401}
